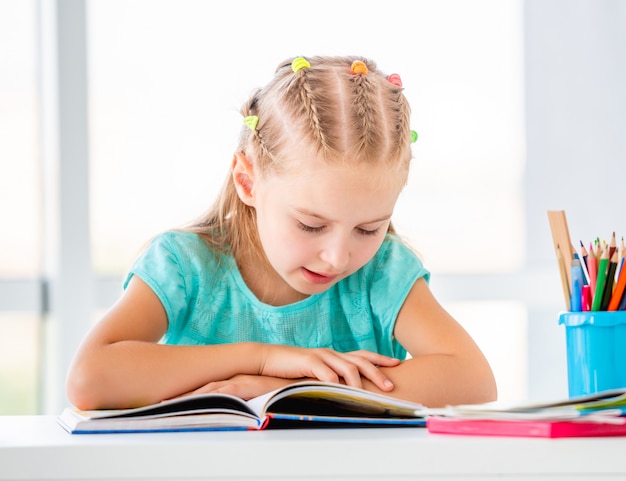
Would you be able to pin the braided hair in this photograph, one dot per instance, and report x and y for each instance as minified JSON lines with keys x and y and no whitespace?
{"x":340,"y":109}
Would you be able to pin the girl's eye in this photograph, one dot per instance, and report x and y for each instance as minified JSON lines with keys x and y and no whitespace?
{"x":308,"y":228}
{"x":368,"y":232}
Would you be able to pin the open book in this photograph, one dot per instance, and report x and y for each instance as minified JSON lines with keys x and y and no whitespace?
{"x":304,"y":404}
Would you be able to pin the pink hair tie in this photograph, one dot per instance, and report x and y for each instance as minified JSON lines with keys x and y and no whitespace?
{"x":358,"y":67}
{"x":395,"y":79}
{"x":299,"y":63}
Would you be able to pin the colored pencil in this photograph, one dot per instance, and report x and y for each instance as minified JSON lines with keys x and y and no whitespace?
{"x":576,"y":304}
{"x":593,"y":279}
{"x":610,"y":281}
{"x":622,"y":304}
{"x":583,"y":251}
{"x":620,"y":262}
{"x":586,"y":298}
{"x":592,"y":261}
{"x":581,"y":267}
{"x":618,"y":292}
{"x":585,"y":255}
{"x":612,"y":245}
{"x":603,"y":267}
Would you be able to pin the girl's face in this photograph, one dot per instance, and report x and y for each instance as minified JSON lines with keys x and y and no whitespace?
{"x":320,"y":223}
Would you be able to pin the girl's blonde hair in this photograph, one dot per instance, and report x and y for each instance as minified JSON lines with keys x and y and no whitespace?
{"x":328,"y":107}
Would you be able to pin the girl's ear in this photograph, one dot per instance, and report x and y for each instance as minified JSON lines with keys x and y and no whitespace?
{"x":243,"y":178}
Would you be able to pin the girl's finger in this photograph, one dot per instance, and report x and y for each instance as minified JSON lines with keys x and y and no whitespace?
{"x":371,"y":371}
{"x":346,"y":366}
{"x":377,"y":359}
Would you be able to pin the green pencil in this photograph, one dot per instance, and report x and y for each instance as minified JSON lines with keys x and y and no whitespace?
{"x":610,"y":280}
{"x":603,"y":267}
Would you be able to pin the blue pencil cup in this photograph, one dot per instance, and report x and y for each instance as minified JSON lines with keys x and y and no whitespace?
{"x":596,"y":350}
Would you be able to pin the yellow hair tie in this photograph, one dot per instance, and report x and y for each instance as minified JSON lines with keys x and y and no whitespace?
{"x":358,"y":67}
{"x":299,"y":63}
{"x":251,"y":121}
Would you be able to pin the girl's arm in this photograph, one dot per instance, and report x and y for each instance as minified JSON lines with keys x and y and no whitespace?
{"x":120,"y":363}
{"x":446,"y":367}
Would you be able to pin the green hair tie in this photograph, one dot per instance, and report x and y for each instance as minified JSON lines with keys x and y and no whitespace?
{"x":413,"y":136}
{"x":251,"y":121}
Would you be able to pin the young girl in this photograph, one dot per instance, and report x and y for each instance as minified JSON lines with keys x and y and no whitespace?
{"x":296,"y":271}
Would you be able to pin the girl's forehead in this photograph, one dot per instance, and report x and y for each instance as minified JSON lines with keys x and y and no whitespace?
{"x":342,"y":189}
{"x":373,"y":174}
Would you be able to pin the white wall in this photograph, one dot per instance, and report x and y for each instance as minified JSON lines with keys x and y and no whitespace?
{"x":575,"y":64}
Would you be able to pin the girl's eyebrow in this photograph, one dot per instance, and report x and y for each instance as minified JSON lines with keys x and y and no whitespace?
{"x":309,"y":213}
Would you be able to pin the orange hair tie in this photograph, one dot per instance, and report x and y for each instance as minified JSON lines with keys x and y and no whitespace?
{"x":358,"y":67}
{"x":395,"y":79}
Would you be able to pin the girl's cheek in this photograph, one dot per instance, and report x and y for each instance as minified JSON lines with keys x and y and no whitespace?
{"x":369,"y":251}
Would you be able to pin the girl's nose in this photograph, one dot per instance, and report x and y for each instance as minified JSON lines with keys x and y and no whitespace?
{"x":336,"y":253}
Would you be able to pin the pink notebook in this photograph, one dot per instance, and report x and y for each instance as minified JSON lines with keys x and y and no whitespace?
{"x":537,"y":429}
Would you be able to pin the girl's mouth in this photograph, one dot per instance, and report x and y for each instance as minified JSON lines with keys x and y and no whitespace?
{"x":316,"y":278}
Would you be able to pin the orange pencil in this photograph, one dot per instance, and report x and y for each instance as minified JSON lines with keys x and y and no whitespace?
{"x":618,"y":292}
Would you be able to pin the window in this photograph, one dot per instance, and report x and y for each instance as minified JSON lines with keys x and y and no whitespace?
{"x":20,"y":211}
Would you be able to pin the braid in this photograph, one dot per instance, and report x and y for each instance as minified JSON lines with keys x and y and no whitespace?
{"x":310,"y":104}
{"x":401,"y":115}
{"x":253,"y":135}
{"x":333,"y":109}
{"x":336,"y":107}
{"x":366,"y":119}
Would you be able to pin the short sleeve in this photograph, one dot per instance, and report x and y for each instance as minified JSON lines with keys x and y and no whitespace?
{"x":396,"y":270}
{"x":161,"y":268}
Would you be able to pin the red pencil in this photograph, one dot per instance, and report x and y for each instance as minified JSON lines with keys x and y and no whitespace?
{"x":592,"y":265}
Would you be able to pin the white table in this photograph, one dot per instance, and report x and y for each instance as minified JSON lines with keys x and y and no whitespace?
{"x":35,"y":447}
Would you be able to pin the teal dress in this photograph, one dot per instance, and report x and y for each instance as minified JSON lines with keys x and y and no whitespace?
{"x":208,"y":302}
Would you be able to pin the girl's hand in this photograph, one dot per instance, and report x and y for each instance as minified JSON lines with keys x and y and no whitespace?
{"x":326,"y":365}
{"x":245,"y":386}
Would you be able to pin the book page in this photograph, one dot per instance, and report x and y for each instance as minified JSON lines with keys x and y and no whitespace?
{"x":317,"y":398}
{"x":199,"y":403}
